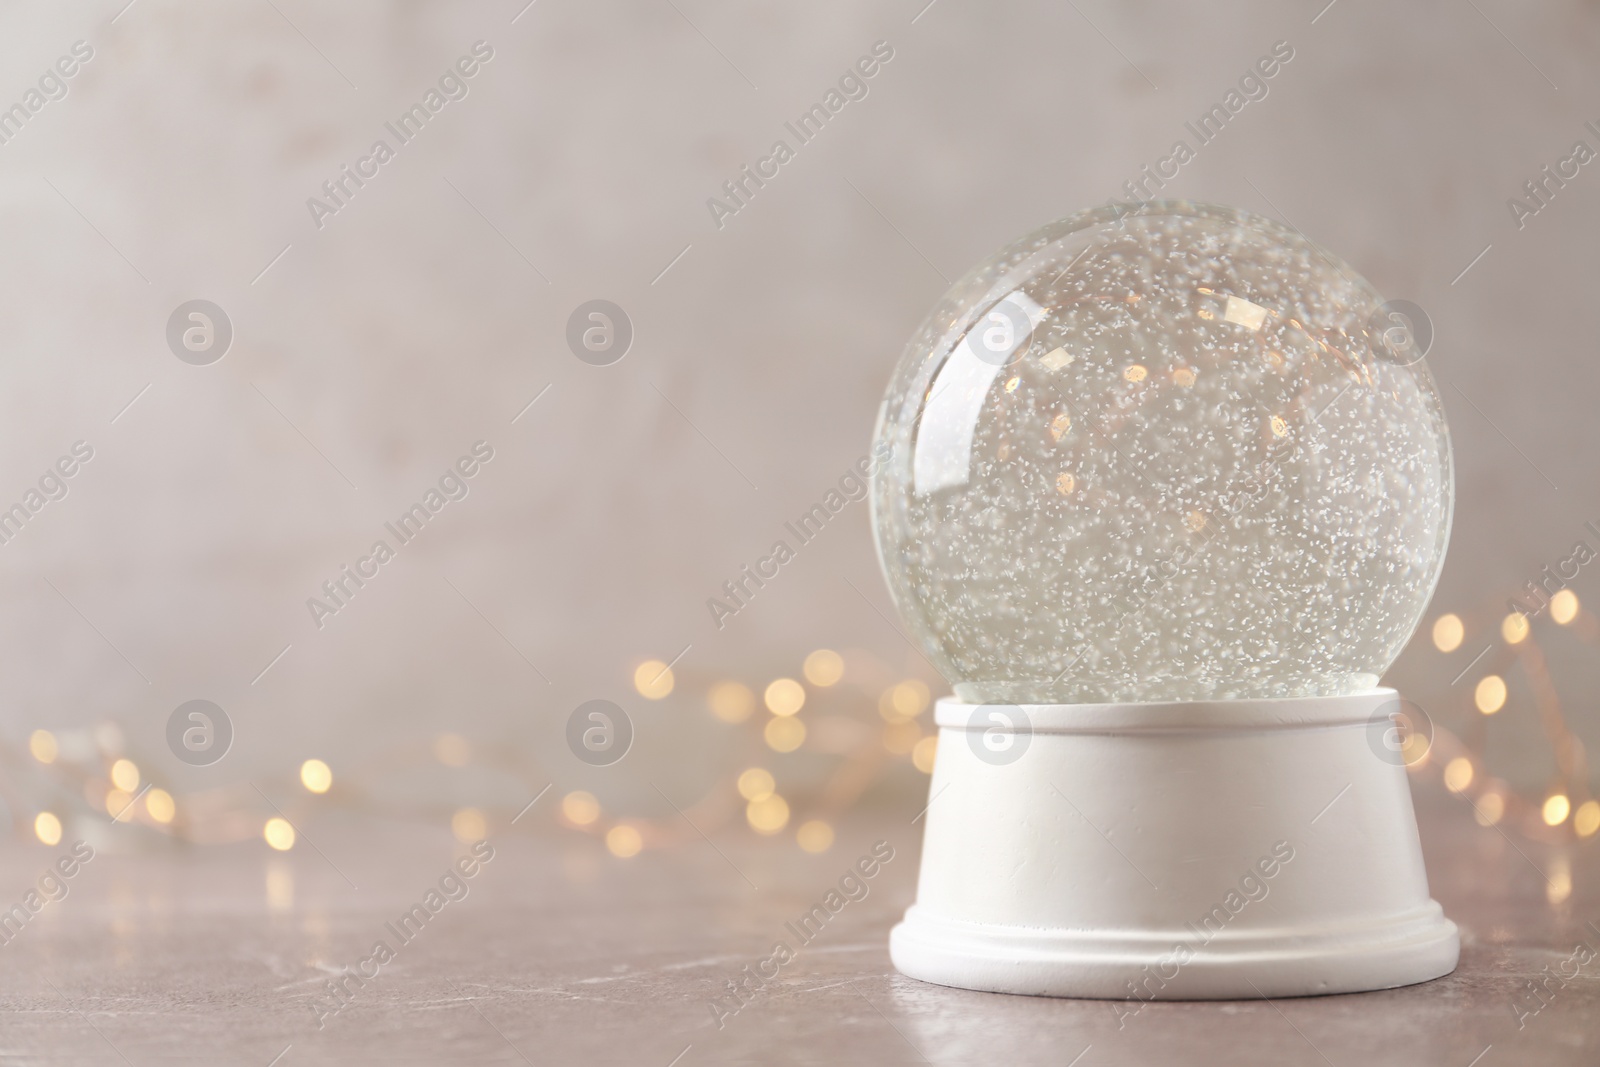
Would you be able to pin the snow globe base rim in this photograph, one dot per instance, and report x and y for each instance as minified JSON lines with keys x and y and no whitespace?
{"x":1215,"y":849}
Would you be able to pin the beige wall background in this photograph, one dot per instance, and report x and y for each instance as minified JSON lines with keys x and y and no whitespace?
{"x":432,"y":308}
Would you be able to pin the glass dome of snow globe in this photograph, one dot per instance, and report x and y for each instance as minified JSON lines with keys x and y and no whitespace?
{"x":1163,"y":452}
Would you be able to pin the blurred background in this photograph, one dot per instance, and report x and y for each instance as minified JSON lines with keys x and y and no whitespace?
{"x":378,"y":338}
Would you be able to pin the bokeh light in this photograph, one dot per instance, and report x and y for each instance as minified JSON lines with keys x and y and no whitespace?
{"x":469,"y":825}
{"x":1564,"y":606}
{"x":278,"y":834}
{"x":316,"y":776}
{"x":42,"y":743}
{"x":1586,"y":820}
{"x":1514,"y":628}
{"x":580,"y":808}
{"x":1490,"y":695}
{"x":731,"y":701}
{"x":653,"y":679}
{"x":768,"y":815}
{"x":815,"y":836}
{"x":125,"y":775}
{"x":1556,"y":809}
{"x":784,"y":734}
{"x":47,"y":828}
{"x":624,"y":841}
{"x":785,"y":696}
{"x":824,"y":667}
{"x":1448,"y":633}
{"x":757,"y":784}
{"x":160,"y":805}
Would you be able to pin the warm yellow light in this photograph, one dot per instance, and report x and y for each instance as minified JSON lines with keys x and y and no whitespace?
{"x":1564,"y":606}
{"x":730,"y":701}
{"x":815,"y":836}
{"x":47,"y":828}
{"x":1060,"y":425}
{"x":785,"y":696}
{"x":125,"y":775}
{"x":922,"y":754}
{"x":278,"y":833}
{"x":903,"y":701}
{"x":1586,"y":820}
{"x":1135,"y":373}
{"x":1458,"y":774}
{"x":1489,"y":808}
{"x":1065,"y":483}
{"x":1490,"y":696}
{"x":468,"y":825}
{"x":653,"y":679}
{"x":624,"y":841}
{"x":1448,"y":632}
{"x":159,"y":803}
{"x":901,"y":737}
{"x":42,"y":743}
{"x":768,"y":815}
{"x":1279,"y":427}
{"x":118,"y":803}
{"x":452,"y":750}
{"x":316,"y":776}
{"x":784,"y":734}
{"x":1514,"y":628}
{"x":824,"y":667}
{"x":1556,"y":809}
{"x":757,"y":784}
{"x":580,"y":808}
{"x":1183,"y":376}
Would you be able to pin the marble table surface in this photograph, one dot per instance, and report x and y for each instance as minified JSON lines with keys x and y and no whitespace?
{"x":553,"y":951}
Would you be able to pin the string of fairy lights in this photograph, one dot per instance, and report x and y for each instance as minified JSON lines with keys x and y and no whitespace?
{"x":854,"y":709}
{"x":862,"y":714}
{"x":1514,"y":653}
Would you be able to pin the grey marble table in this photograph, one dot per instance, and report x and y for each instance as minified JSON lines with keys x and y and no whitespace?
{"x":555,"y":952}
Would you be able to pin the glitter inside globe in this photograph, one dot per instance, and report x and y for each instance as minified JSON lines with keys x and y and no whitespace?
{"x":1164,"y":452}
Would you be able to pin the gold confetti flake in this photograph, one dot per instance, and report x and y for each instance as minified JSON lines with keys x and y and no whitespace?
{"x":1136,"y":373}
{"x":1056,"y":358}
{"x":1065,"y":483}
{"x":1183,"y":376}
{"x":1206,"y":313}
{"x":1011,"y":383}
{"x":1245,"y":314}
{"x":1060,"y":425}
{"x":1195,"y":521}
{"x":1279,"y":427}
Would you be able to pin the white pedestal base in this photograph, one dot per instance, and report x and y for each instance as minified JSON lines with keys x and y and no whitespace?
{"x":1223,"y":849}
